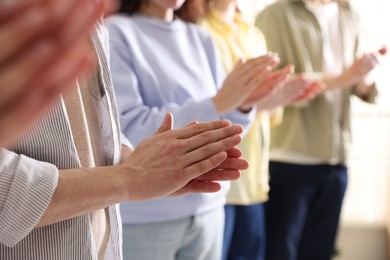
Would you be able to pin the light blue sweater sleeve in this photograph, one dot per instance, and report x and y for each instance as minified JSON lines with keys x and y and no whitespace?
{"x":151,"y":77}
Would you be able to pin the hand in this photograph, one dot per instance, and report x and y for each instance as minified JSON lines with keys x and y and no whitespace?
{"x":110,"y":7}
{"x":227,"y":171}
{"x":170,"y":159}
{"x":313,"y":89}
{"x":297,"y":89}
{"x":242,"y":81}
{"x":270,"y":86}
{"x":359,"y":70}
{"x":45,"y":46}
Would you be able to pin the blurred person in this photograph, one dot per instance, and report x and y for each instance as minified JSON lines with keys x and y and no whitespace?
{"x":60,"y":180}
{"x":161,"y":63}
{"x":244,"y":233}
{"x":309,"y":149}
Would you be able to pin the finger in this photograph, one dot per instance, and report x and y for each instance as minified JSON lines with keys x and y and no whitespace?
{"x":72,"y":42}
{"x":269,"y":58}
{"x":15,"y":118}
{"x":25,"y":69}
{"x":11,"y":8}
{"x":81,"y":19}
{"x":220,"y":175}
{"x":211,"y":136}
{"x":68,"y":60}
{"x":240,"y":62}
{"x":286,"y":71}
{"x":21,"y":30}
{"x":367,"y":63}
{"x":383,"y":50}
{"x":198,"y":187}
{"x":206,"y":151}
{"x":262,"y":88}
{"x":234,"y":163}
{"x":234,"y":152}
{"x":189,"y":131}
{"x":254,"y":69}
{"x":206,"y":164}
{"x":37,"y":19}
{"x":192,"y":123}
{"x":21,"y":72}
{"x":35,"y":76}
{"x":110,"y":7}
{"x":293,"y":89}
{"x":291,"y":68}
{"x":311,"y":92}
{"x":166,"y":125}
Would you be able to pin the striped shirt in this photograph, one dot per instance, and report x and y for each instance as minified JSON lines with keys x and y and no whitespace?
{"x":29,"y":176}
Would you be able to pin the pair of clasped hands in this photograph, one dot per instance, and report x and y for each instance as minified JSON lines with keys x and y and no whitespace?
{"x":44,"y":47}
{"x":255,"y":82}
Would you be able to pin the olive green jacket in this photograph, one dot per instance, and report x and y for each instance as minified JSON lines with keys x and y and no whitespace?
{"x":294,"y":32}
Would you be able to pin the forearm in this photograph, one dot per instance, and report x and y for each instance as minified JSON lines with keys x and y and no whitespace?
{"x":81,"y":191}
{"x":364,"y":86}
{"x":341,"y":81}
{"x":359,"y":73}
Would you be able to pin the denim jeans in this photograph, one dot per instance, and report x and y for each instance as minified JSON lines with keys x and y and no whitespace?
{"x":303,"y":210}
{"x":244,"y":236}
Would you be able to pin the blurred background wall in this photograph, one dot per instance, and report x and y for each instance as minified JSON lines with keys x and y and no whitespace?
{"x":365,"y":225}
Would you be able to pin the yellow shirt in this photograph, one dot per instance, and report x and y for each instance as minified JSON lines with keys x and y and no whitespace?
{"x":234,"y":42}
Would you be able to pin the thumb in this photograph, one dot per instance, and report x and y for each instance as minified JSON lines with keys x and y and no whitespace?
{"x":241,"y":61}
{"x":383,"y":50}
{"x":166,"y":125}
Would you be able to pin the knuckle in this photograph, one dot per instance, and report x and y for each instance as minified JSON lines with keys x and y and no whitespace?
{"x":207,"y":136}
{"x":206,"y":150}
{"x":200,"y":167}
{"x":173,"y":148}
{"x":170,"y":134}
{"x":228,"y":142}
{"x":199,"y":127}
{"x":188,"y":143}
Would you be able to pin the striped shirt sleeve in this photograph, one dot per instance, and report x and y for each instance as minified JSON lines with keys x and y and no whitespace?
{"x":26,"y":189}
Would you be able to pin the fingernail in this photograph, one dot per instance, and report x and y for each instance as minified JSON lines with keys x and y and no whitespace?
{"x":236,"y":138}
{"x":237,"y":128}
{"x":225,"y":123}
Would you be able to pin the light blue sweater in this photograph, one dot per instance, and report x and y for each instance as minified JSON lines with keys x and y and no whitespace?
{"x":160,"y":67}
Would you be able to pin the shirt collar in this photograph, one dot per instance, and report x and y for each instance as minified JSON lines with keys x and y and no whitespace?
{"x":219,"y":24}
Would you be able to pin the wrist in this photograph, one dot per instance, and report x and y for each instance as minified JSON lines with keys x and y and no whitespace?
{"x":130,"y":177}
{"x":123,"y":180}
{"x":220,"y":106}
